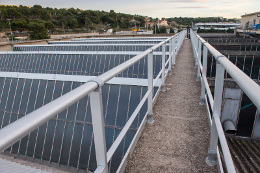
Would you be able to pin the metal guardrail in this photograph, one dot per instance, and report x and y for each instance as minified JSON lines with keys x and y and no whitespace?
{"x":23,"y":126}
{"x":252,"y":89}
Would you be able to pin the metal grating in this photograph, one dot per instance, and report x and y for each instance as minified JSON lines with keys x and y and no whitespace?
{"x":30,"y":80}
{"x":250,"y":65}
{"x":88,"y":47}
{"x":91,"y":64}
{"x":107,"y":42}
{"x":68,"y":139}
{"x":122,"y":38}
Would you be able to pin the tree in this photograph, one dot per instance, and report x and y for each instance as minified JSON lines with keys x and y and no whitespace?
{"x":171,"y":30}
{"x":162,"y":29}
{"x":36,"y":10}
{"x":72,"y":23}
{"x":19,"y":25}
{"x":87,"y":22}
{"x":156,"y":29}
{"x":94,"y":17}
{"x":38,"y":31}
{"x":49,"y":25}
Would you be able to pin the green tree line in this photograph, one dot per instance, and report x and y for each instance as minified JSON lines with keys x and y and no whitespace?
{"x":25,"y":18}
{"x":47,"y":20}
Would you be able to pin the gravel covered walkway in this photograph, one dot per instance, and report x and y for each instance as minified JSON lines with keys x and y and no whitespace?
{"x":179,"y":138}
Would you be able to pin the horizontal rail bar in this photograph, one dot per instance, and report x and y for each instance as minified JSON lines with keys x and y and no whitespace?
{"x":74,"y":78}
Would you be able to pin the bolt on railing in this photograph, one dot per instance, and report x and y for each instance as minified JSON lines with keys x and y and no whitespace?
{"x":25,"y":125}
{"x":251,"y":88}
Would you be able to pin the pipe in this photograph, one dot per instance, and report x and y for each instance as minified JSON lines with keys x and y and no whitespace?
{"x":229,"y":127}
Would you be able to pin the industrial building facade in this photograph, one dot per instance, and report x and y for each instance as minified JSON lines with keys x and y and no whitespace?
{"x":249,"y":20}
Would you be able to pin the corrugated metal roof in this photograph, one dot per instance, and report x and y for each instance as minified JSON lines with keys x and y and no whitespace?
{"x":245,"y":153}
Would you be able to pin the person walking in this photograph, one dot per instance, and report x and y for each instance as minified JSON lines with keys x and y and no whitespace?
{"x":188,"y":31}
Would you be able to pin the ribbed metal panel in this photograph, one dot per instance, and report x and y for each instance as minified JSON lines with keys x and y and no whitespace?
{"x":107,"y":42}
{"x":91,"y":47}
{"x":246,"y":154}
{"x":68,"y":139}
{"x":74,"y":63}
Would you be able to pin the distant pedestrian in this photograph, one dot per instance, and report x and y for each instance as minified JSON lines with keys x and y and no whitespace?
{"x":188,"y":31}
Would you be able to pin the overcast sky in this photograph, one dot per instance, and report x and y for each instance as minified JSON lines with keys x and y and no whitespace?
{"x":155,"y":8}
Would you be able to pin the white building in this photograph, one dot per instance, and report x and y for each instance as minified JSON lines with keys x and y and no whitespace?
{"x":217,"y":26}
{"x":249,"y":20}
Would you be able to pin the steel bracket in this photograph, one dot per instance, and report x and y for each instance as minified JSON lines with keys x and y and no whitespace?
{"x":98,"y":81}
{"x":219,"y":56}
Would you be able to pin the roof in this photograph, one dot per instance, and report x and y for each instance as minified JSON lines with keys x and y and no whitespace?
{"x":244,"y":152}
{"x":250,"y":14}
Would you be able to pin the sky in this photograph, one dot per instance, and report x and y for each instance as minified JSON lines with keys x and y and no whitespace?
{"x":155,"y":8}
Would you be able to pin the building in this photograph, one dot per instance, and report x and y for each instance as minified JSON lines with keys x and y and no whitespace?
{"x":162,"y":23}
{"x":249,"y":20}
{"x":217,"y":26}
{"x":159,"y":23}
{"x":149,"y":24}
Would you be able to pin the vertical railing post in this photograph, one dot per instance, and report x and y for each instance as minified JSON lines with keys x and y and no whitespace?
{"x":211,"y":159}
{"x":172,"y":41}
{"x":204,"y":74}
{"x":163,"y":66}
{"x":150,"y":88}
{"x":177,"y":44}
{"x":173,"y":52}
{"x":199,"y":60}
{"x":170,"y":58}
{"x":99,"y":130}
{"x":196,"y":46}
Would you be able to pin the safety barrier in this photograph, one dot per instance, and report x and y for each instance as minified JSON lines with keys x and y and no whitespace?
{"x":15,"y":131}
{"x":252,"y":89}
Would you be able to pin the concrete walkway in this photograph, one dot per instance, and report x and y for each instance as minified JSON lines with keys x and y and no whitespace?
{"x":179,"y":138}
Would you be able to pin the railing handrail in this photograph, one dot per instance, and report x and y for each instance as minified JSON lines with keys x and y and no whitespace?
{"x":248,"y":85}
{"x":23,"y":126}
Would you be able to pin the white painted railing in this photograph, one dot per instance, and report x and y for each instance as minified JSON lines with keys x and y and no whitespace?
{"x":23,"y":126}
{"x":252,"y":89}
